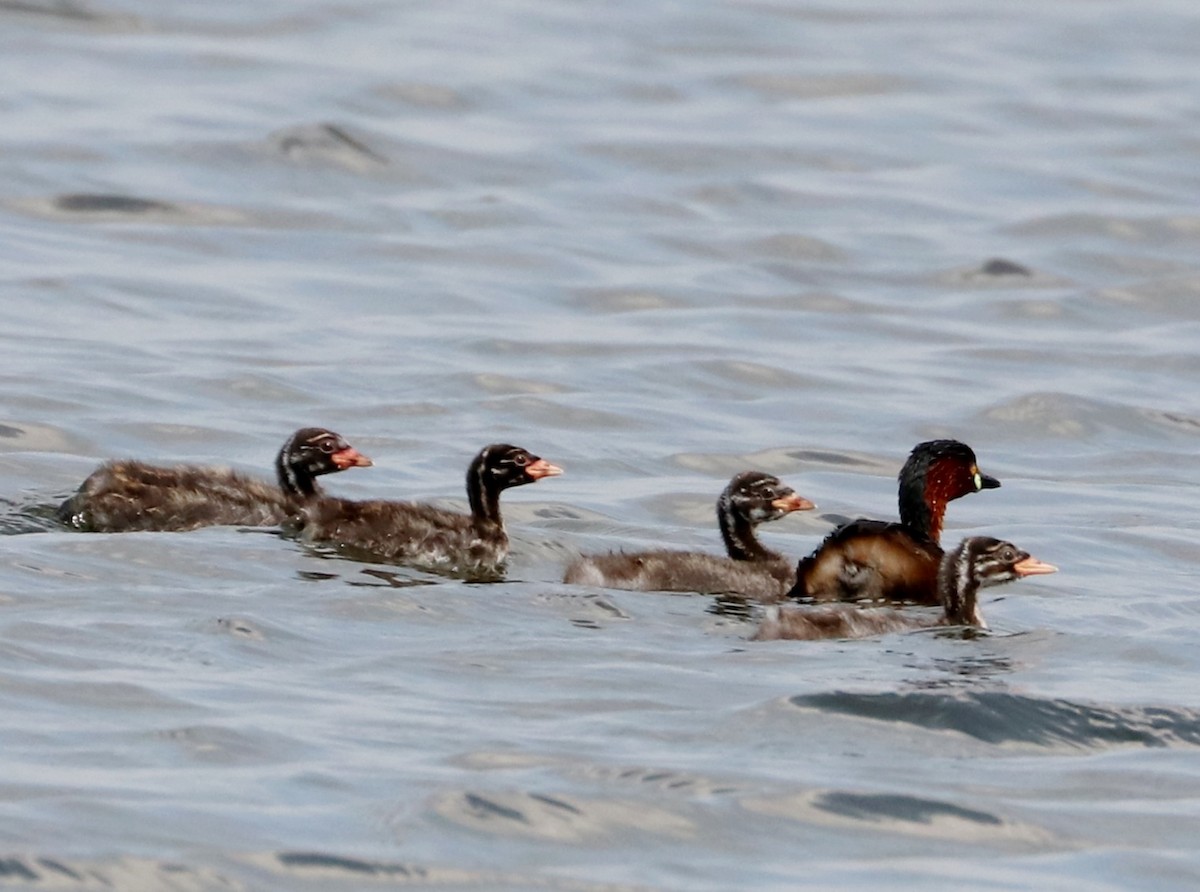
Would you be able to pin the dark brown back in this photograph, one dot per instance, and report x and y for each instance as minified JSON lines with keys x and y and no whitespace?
{"x":870,"y":560}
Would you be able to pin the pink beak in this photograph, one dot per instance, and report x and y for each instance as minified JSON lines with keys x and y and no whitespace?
{"x":542,"y":468}
{"x":1031,"y":566}
{"x":350,"y":458}
{"x":792,"y":503}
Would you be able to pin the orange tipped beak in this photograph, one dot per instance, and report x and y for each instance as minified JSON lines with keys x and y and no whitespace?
{"x":350,"y":458}
{"x":542,"y":468}
{"x":1031,"y":566}
{"x":792,"y":503}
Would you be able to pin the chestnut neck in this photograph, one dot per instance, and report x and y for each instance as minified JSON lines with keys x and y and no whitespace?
{"x":924,"y":493}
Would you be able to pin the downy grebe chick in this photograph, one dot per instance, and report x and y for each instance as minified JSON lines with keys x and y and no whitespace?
{"x":124,"y":496}
{"x":424,"y":535}
{"x":751,"y":569}
{"x":978,"y":562}
{"x":874,"y":560}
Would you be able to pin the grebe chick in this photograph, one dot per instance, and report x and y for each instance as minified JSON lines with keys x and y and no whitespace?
{"x":422,"y":534}
{"x":978,"y":562}
{"x":876,"y":560}
{"x":124,"y":496}
{"x":751,"y":570}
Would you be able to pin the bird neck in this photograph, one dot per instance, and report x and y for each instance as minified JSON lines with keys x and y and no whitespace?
{"x":958,"y":589}
{"x":296,"y":483}
{"x":737,"y":531}
{"x":923,"y":504}
{"x":483,"y":496}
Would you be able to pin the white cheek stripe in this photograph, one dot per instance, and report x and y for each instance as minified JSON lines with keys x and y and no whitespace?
{"x":285,"y":463}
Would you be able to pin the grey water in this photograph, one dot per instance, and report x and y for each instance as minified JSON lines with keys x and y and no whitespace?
{"x":655,"y":243}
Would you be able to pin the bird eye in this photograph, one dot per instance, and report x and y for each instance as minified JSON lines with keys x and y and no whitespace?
{"x":327,"y":446}
{"x":520,"y":459}
{"x":1008,"y":554}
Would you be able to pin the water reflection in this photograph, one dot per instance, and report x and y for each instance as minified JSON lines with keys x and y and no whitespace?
{"x":18,"y":516}
{"x":965,"y":671}
{"x":389,"y":579}
{"x":734,"y":606}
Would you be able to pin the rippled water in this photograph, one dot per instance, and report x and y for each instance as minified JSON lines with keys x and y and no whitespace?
{"x":656,"y":244}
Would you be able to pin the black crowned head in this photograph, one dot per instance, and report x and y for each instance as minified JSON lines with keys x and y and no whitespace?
{"x":501,"y":466}
{"x":757,"y":497}
{"x":979,"y":562}
{"x":311,"y":452}
{"x":937,"y":472}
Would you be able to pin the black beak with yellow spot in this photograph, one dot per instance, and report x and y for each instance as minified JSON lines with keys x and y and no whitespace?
{"x":984,"y":481}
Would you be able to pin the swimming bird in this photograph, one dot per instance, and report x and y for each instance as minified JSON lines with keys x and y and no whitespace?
{"x":872,"y":559}
{"x":129,"y":495}
{"x":978,"y":562}
{"x":751,"y":569}
{"x":425,"y":535}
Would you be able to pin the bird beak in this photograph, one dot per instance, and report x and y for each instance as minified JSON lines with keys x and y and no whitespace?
{"x":542,"y":468}
{"x":350,"y":458}
{"x":986,"y":481}
{"x":1031,"y":566}
{"x":791,"y":503}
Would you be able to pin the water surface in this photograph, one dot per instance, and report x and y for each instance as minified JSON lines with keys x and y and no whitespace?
{"x":656,"y":244}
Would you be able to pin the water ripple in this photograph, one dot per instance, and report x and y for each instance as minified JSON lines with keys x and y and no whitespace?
{"x":560,"y":818}
{"x":911,"y":816}
{"x":999,"y":717}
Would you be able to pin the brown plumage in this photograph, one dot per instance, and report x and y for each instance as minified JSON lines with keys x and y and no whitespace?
{"x":420,"y":534}
{"x":751,"y":570}
{"x":871,"y":559}
{"x":124,"y":496}
{"x":978,"y":562}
